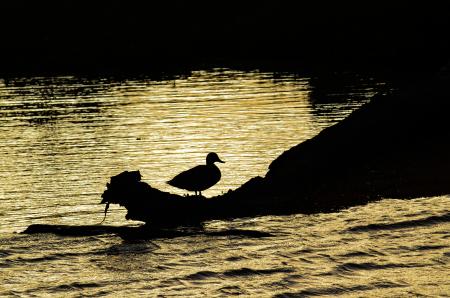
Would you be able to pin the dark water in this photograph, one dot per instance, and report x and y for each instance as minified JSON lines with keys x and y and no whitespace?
{"x":62,"y":138}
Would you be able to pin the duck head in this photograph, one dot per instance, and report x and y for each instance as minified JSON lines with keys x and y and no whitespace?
{"x":212,"y":157}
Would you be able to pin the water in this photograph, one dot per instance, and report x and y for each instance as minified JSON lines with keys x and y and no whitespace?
{"x":62,"y":138}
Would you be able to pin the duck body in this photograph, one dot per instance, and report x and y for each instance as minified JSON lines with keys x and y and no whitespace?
{"x":200,"y":177}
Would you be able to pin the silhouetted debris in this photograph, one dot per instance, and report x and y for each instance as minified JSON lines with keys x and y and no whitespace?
{"x":143,"y":232}
{"x":66,"y":230}
{"x":396,"y":146}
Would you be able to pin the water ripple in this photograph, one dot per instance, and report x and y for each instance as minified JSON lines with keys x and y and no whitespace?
{"x":74,"y":286}
{"x":431,"y":220}
{"x":241,"y":272}
{"x":62,"y":138}
{"x":349,"y":267}
{"x":339,"y":290}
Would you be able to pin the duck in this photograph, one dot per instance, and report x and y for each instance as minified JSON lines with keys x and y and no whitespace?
{"x":200,"y":177}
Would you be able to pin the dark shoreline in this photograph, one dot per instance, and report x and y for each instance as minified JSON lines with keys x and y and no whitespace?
{"x":104,"y":38}
{"x":167,"y":70}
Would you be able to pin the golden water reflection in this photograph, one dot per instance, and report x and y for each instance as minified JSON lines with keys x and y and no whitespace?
{"x":62,"y":138}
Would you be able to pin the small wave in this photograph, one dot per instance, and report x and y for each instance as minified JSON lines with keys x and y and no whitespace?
{"x":248,"y":271}
{"x":195,"y":252}
{"x":202,"y":275}
{"x":47,"y":258}
{"x":305,"y":260}
{"x":428,"y":247}
{"x":115,"y":249}
{"x":130,"y":248}
{"x":304,"y":251}
{"x":340,"y":290}
{"x":432,"y":220}
{"x":241,"y":233}
{"x":6,"y":264}
{"x":346,"y":267}
{"x":235,"y":258}
{"x":37,"y":259}
{"x":353,"y":254}
{"x":236,"y":273}
{"x":367,"y":253}
{"x":4,"y":253}
{"x":232,"y":290}
{"x":74,"y":286}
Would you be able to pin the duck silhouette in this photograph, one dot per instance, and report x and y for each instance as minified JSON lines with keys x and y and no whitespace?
{"x":200,"y":177}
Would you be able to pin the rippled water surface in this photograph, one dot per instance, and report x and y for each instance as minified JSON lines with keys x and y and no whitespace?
{"x":62,"y":138}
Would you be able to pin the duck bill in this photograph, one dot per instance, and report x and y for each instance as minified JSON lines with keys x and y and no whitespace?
{"x":221,"y":161}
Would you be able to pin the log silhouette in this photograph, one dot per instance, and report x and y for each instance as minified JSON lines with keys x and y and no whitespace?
{"x":396,"y":146}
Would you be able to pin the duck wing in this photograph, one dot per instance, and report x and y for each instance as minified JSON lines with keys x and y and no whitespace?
{"x":198,"y":178}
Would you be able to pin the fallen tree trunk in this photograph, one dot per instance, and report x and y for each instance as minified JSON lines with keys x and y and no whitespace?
{"x":396,"y":146}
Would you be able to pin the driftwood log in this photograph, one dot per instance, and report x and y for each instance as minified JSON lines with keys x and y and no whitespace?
{"x":396,"y":146}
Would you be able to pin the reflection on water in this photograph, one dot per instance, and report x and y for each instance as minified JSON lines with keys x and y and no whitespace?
{"x":62,"y":138}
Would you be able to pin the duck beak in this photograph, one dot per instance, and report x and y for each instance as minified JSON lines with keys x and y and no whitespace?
{"x":219,"y":160}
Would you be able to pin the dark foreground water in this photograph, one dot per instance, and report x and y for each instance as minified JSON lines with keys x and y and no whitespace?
{"x":62,"y":138}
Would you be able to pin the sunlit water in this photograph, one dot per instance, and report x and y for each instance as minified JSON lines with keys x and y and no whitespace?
{"x":62,"y":138}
